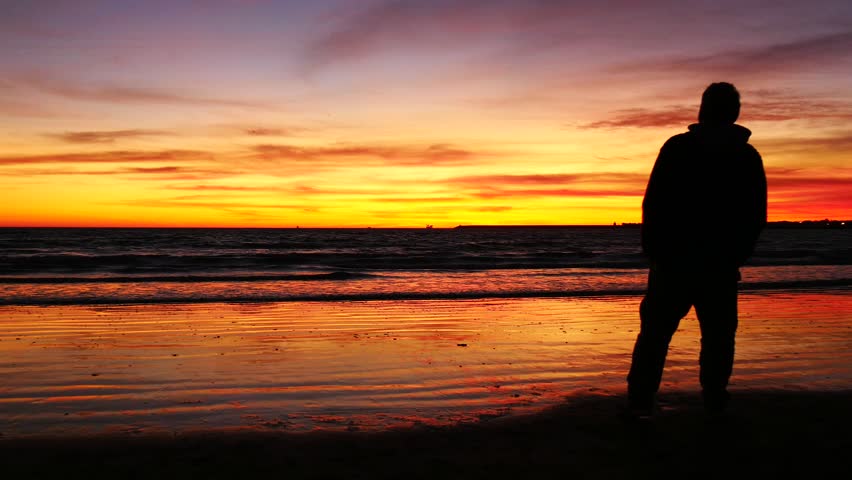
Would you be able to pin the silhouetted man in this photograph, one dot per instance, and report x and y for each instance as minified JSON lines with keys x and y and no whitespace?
{"x":704,"y":208}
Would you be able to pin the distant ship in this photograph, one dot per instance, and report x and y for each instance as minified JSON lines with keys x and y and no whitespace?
{"x":428,"y":226}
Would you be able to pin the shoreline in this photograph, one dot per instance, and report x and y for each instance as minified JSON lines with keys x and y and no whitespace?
{"x":821,"y":286}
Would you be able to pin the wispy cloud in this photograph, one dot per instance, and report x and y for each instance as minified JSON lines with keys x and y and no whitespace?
{"x":273,"y":132}
{"x":337,"y":154}
{"x":155,"y":169}
{"x":159,"y":165}
{"x":834,"y":180}
{"x":521,"y":31}
{"x":495,"y":208}
{"x":111,"y":93}
{"x":106,"y":136}
{"x":757,"y":107}
{"x":796,"y":55}
{"x":448,"y":25}
{"x":217,"y":205}
{"x":769,"y":105}
{"x":359,"y":33}
{"x":552,"y":185}
{"x":490,"y":192}
{"x":118,"y":156}
{"x":431,"y":213}
{"x":443,"y":199}
{"x":647,"y":118}
{"x":165,"y":173}
{"x":840,"y":142}
{"x":220,"y":188}
{"x":549,"y":179}
{"x":339,"y":190}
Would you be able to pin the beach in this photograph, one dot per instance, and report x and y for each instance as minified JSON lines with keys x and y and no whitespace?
{"x":472,"y":384}
{"x":346,"y":353}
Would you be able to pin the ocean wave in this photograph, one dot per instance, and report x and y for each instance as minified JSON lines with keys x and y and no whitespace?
{"x":201,"y":278}
{"x":200,"y":264}
{"x":843,"y":284}
{"x":188,"y":268}
{"x":199,"y":253}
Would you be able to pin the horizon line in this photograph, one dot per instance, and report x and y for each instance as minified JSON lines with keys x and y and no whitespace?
{"x":823,"y":221}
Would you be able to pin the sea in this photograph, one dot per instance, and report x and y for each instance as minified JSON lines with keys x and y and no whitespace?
{"x":69,"y":266}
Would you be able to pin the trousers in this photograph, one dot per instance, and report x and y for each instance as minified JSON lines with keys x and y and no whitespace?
{"x":670,"y":295}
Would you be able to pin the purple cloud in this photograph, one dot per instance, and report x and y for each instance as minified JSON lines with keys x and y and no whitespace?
{"x":106,"y":136}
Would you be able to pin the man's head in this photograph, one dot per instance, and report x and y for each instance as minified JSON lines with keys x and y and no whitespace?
{"x":720,"y":104}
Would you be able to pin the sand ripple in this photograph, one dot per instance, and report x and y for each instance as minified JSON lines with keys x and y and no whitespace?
{"x":303,"y":366}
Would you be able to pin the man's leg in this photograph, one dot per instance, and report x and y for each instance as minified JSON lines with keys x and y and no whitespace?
{"x":716,"y":308}
{"x":665,"y":304}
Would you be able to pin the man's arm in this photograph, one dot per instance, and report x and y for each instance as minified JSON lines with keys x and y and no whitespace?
{"x":654,"y":203}
{"x":754,"y":219}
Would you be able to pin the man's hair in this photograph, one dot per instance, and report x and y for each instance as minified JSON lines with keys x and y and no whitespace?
{"x":720,"y":104}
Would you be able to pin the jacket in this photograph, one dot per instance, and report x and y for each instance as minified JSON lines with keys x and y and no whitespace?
{"x":705,"y":203}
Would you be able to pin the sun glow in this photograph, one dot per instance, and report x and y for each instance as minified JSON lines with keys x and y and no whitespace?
{"x":397,"y":116}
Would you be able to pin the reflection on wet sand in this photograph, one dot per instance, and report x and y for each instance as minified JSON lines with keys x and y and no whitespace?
{"x":371,"y":365}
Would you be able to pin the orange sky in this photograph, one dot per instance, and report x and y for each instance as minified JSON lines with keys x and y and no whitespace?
{"x":403,"y":113}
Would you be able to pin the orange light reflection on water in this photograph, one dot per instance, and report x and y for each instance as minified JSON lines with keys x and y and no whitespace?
{"x":327,"y":365}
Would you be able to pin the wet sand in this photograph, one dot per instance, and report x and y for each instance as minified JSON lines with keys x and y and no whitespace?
{"x":303,"y":367}
{"x":475,"y":388}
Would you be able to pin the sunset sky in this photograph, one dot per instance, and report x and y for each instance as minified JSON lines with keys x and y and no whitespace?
{"x":403,"y":113}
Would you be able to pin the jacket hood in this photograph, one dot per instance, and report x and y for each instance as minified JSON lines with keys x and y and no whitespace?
{"x":731,"y":133}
